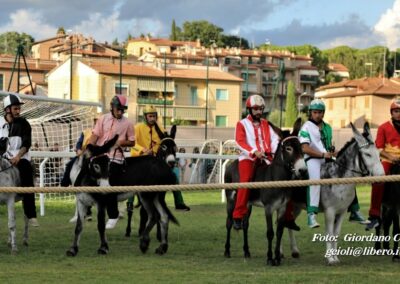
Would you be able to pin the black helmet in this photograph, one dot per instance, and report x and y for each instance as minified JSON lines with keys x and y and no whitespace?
{"x":12,"y":100}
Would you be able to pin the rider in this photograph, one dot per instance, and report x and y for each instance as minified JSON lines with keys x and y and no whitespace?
{"x":148,"y":138}
{"x":107,"y":126}
{"x":388,"y":143}
{"x":257,"y":142}
{"x":316,"y":139}
{"x":19,"y":132}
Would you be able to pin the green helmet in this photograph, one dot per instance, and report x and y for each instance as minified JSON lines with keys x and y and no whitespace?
{"x":317,"y":104}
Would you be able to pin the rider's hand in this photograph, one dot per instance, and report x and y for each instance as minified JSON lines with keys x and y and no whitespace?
{"x":14,"y":161}
{"x":146,"y":151}
{"x":328,"y":155}
{"x":395,"y":160}
{"x":259,"y":154}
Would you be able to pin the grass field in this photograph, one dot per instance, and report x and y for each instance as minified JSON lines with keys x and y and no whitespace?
{"x":195,"y":253}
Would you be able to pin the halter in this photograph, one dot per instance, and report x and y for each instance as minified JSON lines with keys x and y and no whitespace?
{"x":364,"y":172}
{"x":289,"y":165}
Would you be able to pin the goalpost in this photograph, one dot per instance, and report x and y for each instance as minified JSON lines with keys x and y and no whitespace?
{"x":56,"y":126}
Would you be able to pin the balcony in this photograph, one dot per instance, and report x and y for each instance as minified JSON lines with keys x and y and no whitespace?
{"x":269,"y":79}
{"x":178,"y":112}
{"x":153,"y":101}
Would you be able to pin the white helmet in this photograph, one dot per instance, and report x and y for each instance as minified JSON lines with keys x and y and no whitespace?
{"x":12,"y":100}
{"x":254,"y":101}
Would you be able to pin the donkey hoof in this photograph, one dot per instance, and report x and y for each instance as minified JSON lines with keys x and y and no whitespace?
{"x":271,"y":262}
{"x":127,"y":234}
{"x":227,"y":254}
{"x":277,"y":262}
{"x":162,"y":249}
{"x":144,"y":244}
{"x":332,"y":261}
{"x":102,"y":251}
{"x":72,"y":251}
{"x":247,"y":254}
{"x":396,"y":258}
{"x":296,"y":254}
{"x":25,"y":243}
{"x":14,"y":251}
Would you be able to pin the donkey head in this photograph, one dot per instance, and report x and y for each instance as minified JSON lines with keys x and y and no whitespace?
{"x":368,"y":153}
{"x":96,"y":162}
{"x":291,"y":152}
{"x":167,"y":150}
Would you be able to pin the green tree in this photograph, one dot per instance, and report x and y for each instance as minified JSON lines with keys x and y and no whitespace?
{"x":291,"y":111}
{"x":61,"y":31}
{"x":332,"y":78}
{"x":10,"y":40}
{"x":176,"y":33}
{"x":234,"y":41}
{"x":207,"y":32}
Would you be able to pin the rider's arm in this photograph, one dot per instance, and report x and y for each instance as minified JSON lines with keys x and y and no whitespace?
{"x":314,"y":153}
{"x":388,"y":156}
{"x":241,"y":141}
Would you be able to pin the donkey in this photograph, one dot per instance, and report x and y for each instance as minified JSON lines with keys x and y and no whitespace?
{"x":145,"y":170}
{"x":288,"y":163}
{"x":359,"y":157}
{"x":10,"y":177}
{"x":390,"y":214}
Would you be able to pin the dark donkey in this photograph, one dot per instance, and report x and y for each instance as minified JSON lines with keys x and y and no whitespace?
{"x":287,"y":164}
{"x":390,"y":214}
{"x":145,"y":170}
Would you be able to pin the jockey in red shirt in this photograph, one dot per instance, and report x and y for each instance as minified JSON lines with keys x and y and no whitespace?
{"x":388,"y":143}
{"x":256,"y":140}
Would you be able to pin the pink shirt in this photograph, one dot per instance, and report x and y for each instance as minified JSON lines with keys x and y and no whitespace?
{"x":108,"y":126}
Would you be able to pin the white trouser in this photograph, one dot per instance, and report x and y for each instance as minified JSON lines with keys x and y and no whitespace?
{"x":313,"y":192}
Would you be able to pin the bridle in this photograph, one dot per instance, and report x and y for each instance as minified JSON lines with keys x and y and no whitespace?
{"x":363,"y":169}
{"x":289,"y":165}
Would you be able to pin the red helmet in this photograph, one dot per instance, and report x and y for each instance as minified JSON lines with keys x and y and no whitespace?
{"x":255,"y":101}
{"x":395,"y":104}
{"x":120,"y":102}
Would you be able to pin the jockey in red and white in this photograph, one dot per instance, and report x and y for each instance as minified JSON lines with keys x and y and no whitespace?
{"x":257,"y":142}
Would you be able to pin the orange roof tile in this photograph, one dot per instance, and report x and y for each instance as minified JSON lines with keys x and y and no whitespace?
{"x":201,"y":74}
{"x":337,"y":67}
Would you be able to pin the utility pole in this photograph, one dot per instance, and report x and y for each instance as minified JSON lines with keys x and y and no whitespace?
{"x":165,"y":89}
{"x":384,"y":65}
{"x":120,"y":70}
{"x":205,"y":129}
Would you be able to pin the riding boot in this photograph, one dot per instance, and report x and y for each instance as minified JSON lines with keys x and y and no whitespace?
{"x":179,"y":203}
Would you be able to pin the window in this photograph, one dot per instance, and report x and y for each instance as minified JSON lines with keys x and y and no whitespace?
{"x":330,"y":104}
{"x":2,"y":82}
{"x":220,"y":121}
{"x":176,"y":92}
{"x":222,"y":95}
{"x":345,"y":103}
{"x":121,"y":89}
{"x":193,"y":95}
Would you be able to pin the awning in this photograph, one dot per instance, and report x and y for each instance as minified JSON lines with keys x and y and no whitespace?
{"x":309,"y":72}
{"x":155,"y":85}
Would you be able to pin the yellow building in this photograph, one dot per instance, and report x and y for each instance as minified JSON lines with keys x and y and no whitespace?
{"x":358,"y":101}
{"x":186,"y":92}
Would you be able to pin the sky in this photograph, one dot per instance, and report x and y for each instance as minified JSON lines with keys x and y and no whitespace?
{"x":323,"y":23}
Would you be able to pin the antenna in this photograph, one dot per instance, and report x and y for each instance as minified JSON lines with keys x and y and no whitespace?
{"x":18,"y":55}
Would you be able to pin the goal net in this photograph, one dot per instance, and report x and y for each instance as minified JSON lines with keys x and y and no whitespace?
{"x":56,"y":126}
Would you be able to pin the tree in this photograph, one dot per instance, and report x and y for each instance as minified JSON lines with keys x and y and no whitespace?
{"x":234,"y":41}
{"x":207,"y":32}
{"x":291,"y":107}
{"x":61,"y":31}
{"x":115,"y":42}
{"x":10,"y":40}
{"x":176,"y":33}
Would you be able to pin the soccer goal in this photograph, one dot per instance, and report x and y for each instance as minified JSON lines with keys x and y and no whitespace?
{"x":56,"y":126}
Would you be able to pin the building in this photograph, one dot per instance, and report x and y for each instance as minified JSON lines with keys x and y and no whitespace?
{"x":339,"y":70}
{"x":358,"y":101}
{"x":187,"y":100}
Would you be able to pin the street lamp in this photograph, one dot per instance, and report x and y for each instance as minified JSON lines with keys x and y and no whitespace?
{"x":207,"y":74}
{"x":299,"y":104}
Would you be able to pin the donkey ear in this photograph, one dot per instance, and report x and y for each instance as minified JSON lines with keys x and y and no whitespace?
{"x":173,"y":131}
{"x":357,"y":135}
{"x":296,"y":127}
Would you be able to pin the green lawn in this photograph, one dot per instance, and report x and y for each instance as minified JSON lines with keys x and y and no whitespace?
{"x":195,"y":254}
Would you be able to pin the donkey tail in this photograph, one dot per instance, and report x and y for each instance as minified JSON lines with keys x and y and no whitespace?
{"x":171,"y":217}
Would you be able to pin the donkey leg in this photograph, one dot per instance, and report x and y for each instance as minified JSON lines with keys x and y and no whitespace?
{"x":101,"y":227}
{"x":329,"y":223}
{"x":11,"y":224}
{"x":279,"y":234}
{"x":336,"y":231}
{"x":81,"y":209}
{"x":129,"y":209}
{"x":151,"y":221}
{"x":246,"y":225}
{"x":26,"y":231}
{"x":162,"y":229}
{"x":228,"y":225}
{"x":270,"y":237}
{"x":387,"y":220}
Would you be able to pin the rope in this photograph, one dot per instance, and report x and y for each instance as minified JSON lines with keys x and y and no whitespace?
{"x":193,"y":187}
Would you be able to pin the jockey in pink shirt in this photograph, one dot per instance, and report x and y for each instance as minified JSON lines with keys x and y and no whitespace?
{"x":257,"y":142}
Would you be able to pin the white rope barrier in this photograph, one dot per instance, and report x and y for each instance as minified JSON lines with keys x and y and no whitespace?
{"x":213,"y":186}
